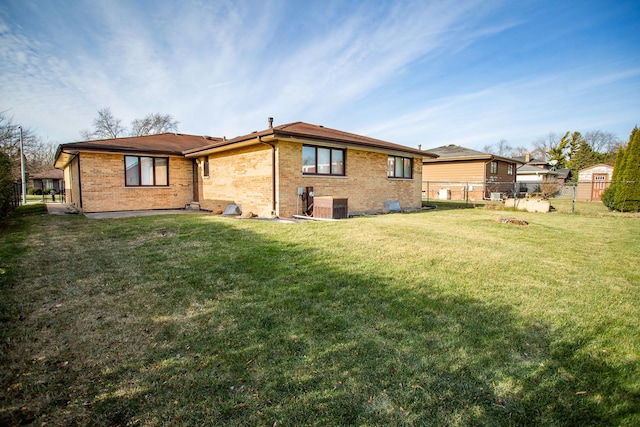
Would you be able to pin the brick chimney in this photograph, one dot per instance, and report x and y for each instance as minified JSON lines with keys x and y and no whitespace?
{"x":527,"y":157}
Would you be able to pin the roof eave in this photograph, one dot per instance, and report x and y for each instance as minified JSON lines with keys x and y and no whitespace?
{"x":275,"y":134}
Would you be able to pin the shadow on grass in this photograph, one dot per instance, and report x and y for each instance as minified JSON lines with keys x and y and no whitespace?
{"x":242,"y":330}
{"x":446,"y":205}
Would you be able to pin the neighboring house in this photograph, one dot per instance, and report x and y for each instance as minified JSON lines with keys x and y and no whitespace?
{"x":463,"y":174}
{"x":592,"y":182}
{"x":533,"y":173}
{"x":275,"y":172}
{"x":51,"y":179}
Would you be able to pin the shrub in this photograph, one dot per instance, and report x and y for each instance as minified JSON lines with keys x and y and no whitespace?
{"x":608,"y":196}
{"x":6,"y":186}
{"x":34,"y":191}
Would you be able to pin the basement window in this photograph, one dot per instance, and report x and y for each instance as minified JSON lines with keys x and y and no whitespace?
{"x":142,"y":171}
{"x":322,"y":161}
{"x":399,"y":167}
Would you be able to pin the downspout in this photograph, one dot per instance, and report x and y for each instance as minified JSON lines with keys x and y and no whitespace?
{"x":273,"y":174}
{"x":484,"y":180}
{"x":79,"y":183}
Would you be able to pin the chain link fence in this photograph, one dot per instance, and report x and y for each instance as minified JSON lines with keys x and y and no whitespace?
{"x":470,"y":191}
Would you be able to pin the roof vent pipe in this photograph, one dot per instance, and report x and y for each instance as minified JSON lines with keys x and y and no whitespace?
{"x":270,"y":122}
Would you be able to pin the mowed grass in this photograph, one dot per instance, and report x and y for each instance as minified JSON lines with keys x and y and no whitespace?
{"x":444,"y":317}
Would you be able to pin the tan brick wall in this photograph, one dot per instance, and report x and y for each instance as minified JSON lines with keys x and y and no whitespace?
{"x":241,"y":176}
{"x":365,"y":185}
{"x":72,"y":184}
{"x":103,"y":186}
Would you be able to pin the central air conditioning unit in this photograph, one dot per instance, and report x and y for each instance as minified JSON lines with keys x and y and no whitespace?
{"x":496,"y":197}
{"x":330,"y":207}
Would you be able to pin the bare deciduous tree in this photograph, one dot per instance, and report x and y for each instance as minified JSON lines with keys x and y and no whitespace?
{"x":519,"y":151}
{"x":153,"y":124}
{"x":501,"y":148}
{"x":542,"y":146}
{"x":602,"y":142}
{"x":38,"y":155}
{"x":107,"y":126}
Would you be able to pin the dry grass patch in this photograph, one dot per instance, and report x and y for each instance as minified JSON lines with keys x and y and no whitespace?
{"x":432,"y":318}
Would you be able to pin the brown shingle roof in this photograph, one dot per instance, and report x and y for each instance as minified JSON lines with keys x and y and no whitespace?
{"x":451,"y":152}
{"x":309,"y":132}
{"x":165,"y":143}
{"x":50,"y":174}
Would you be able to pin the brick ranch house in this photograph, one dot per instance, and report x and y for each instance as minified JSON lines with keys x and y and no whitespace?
{"x":274,"y":172}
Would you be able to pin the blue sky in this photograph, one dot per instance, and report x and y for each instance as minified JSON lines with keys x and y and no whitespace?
{"x":410,"y":72}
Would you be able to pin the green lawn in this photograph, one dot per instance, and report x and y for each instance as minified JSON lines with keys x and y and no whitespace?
{"x":443,"y":317}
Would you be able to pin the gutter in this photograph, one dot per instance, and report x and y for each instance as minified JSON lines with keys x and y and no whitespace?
{"x":273,"y":174}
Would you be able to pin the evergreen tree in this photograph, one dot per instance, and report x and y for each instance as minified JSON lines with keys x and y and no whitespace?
{"x":6,"y":185}
{"x":582,"y":157}
{"x":609,"y":194}
{"x":628,"y":196}
{"x":558,"y":151}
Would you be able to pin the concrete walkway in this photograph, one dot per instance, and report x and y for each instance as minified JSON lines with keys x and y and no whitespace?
{"x":59,"y":208}
{"x":64,"y":209}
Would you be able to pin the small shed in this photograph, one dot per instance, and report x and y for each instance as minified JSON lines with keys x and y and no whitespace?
{"x":592,"y":182}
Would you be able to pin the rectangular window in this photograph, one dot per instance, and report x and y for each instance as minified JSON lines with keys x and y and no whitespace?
{"x":162,"y":171}
{"x":322,"y":161}
{"x":205,"y":167}
{"x":510,"y":169}
{"x":399,"y":167}
{"x":146,"y":171}
{"x":494,"y":167}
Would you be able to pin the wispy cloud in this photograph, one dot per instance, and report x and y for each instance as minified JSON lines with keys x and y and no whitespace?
{"x":394,"y":70}
{"x":521,"y":111}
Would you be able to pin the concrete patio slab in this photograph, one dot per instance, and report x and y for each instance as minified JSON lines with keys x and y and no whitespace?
{"x":64,"y":209}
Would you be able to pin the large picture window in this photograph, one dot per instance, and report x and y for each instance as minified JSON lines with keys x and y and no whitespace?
{"x":322,"y":161}
{"x":399,"y":167}
{"x":146,"y":171}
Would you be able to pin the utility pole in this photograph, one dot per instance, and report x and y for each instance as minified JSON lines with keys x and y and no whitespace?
{"x":24,"y":177}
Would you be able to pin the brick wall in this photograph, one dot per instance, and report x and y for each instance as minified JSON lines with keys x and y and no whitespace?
{"x":241,"y":176}
{"x":365,"y":185}
{"x":103,"y":186}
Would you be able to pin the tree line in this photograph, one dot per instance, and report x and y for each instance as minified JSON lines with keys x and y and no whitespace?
{"x":39,"y":154}
{"x":571,"y":150}
{"x":107,"y":126}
